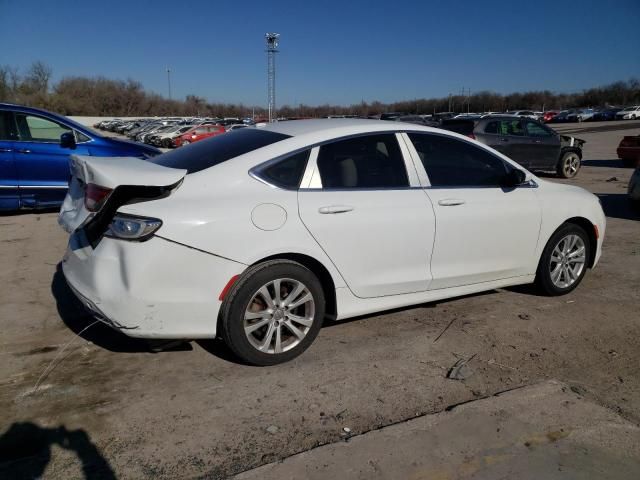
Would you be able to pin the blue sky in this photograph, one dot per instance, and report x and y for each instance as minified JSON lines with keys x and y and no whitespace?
{"x":337,"y":52}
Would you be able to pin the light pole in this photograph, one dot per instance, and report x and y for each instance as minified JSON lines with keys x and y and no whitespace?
{"x":169,"y":81}
{"x":272,"y":49}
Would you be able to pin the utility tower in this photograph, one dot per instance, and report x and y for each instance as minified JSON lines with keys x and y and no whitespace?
{"x":272,"y":49}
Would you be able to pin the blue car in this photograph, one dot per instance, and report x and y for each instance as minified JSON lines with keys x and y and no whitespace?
{"x":34,"y":155}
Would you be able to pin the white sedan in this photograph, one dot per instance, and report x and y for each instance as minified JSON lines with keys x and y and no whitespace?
{"x":629,"y":113}
{"x":260,"y":234}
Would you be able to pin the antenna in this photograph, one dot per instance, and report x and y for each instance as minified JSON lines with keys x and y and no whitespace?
{"x":272,"y":49}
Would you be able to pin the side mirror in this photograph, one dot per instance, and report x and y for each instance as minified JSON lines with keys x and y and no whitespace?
{"x":514,"y":178}
{"x":68,"y":140}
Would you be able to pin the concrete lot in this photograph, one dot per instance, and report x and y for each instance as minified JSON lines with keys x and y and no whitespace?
{"x":107,"y":407}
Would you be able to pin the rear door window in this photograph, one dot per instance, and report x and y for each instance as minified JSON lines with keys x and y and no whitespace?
{"x":371,"y":161}
{"x":511,"y":127}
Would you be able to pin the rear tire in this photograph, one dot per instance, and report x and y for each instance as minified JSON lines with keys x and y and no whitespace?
{"x":568,"y":165}
{"x":273,"y":312}
{"x":564,"y":260}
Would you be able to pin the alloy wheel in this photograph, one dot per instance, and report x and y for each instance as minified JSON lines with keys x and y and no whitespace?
{"x":279,"y":315}
{"x":571,"y":165}
{"x":567,"y":261}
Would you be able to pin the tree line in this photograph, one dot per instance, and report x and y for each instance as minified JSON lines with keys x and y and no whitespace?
{"x":99,"y":96}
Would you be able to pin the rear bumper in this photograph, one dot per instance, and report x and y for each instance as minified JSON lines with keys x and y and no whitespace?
{"x":154,"y":289}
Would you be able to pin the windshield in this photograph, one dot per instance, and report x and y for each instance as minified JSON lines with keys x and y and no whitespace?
{"x":212,"y":151}
{"x":628,"y":109}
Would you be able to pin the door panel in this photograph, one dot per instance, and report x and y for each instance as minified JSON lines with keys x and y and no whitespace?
{"x":377,"y":229}
{"x":42,"y":164}
{"x":380,"y":240}
{"x":544,"y":149}
{"x":485,"y":234}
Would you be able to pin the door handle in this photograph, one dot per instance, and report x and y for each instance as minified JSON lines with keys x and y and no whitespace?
{"x":23,"y":150}
{"x":335,"y":209}
{"x":450,"y":202}
{"x":5,"y":150}
{"x":537,"y":141}
{"x":504,"y":139}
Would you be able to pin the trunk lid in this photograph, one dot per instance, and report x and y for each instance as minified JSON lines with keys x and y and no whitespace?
{"x":128,"y":179}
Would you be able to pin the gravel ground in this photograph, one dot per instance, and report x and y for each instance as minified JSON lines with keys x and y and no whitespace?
{"x":107,"y":407}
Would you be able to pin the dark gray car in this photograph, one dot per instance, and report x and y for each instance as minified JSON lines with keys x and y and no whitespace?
{"x":529,"y":142}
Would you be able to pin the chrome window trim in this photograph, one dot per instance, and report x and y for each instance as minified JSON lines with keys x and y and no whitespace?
{"x":34,"y":186}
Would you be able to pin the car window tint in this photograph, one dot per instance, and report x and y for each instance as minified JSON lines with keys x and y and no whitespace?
{"x":372,"y":161}
{"x":5,"y":125}
{"x":450,"y":162}
{"x":217,"y":149}
{"x":534,"y":129}
{"x":510,"y":127}
{"x":38,"y":129}
{"x":286,"y":173}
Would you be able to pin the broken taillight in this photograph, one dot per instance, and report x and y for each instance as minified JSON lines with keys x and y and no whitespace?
{"x":95,"y":196}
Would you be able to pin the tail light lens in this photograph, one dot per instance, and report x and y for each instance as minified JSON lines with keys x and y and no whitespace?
{"x":95,"y":196}
{"x":471,"y":135}
{"x":127,"y":227}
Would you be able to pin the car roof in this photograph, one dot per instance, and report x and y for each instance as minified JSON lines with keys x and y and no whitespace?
{"x":41,"y":111}
{"x":303,"y":127}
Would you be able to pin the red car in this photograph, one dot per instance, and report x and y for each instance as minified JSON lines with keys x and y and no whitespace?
{"x":548,"y":116}
{"x":198,"y":133}
{"x":629,"y":151}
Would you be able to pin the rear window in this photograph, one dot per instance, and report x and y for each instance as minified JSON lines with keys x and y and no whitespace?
{"x":212,"y":151}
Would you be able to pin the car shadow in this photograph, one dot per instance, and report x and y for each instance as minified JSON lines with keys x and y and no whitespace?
{"x":25,"y":451}
{"x":612,"y":163}
{"x":77,"y":319}
{"x":617,"y":205}
{"x":25,"y":212}
{"x":218,"y":348}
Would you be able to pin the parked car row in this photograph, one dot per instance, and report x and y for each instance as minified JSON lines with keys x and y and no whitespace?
{"x":549,"y":116}
{"x":172,"y":132}
{"x":591,"y":114}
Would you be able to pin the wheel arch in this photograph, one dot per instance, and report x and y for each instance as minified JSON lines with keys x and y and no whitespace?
{"x":589,"y":228}
{"x":568,"y":149}
{"x":318,"y":269}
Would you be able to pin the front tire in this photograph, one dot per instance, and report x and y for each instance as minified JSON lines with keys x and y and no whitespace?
{"x":273,"y":312}
{"x":564,"y":260}
{"x":569,"y":165}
